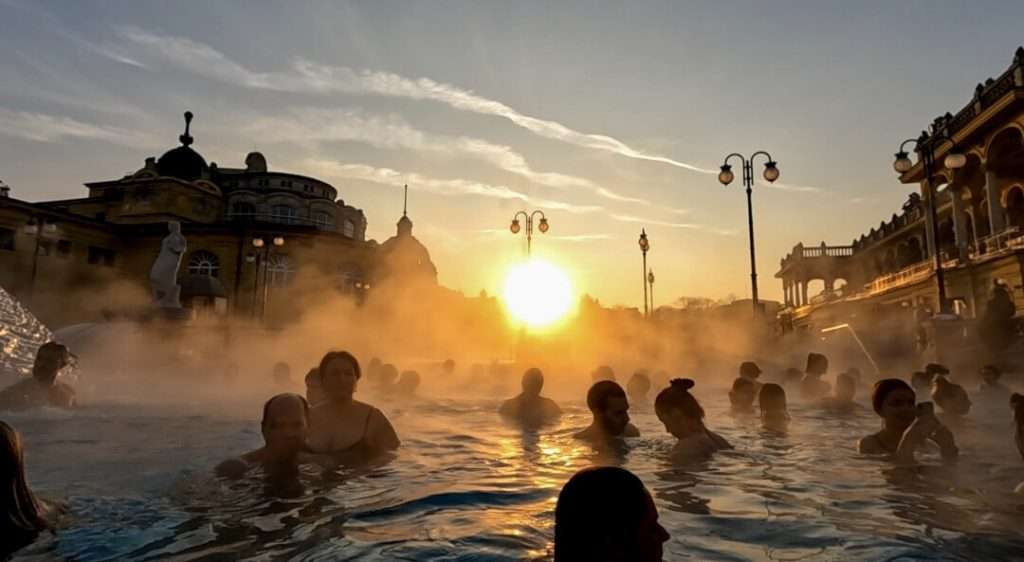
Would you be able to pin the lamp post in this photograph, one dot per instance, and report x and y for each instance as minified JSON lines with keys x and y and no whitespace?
{"x":645,"y":245}
{"x":725,"y":177}
{"x":542,"y":226}
{"x":926,"y":146}
{"x":650,"y":281}
{"x":262,"y":257}
{"x":36,"y":227}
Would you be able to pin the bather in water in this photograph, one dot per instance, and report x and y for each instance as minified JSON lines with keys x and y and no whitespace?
{"x":990,"y":387}
{"x":407,"y":384}
{"x":605,"y":514}
{"x":638,"y":387}
{"x":742,"y":396}
{"x":683,"y":417}
{"x":842,"y":401}
{"x":530,"y":408}
{"x":285,"y":426}
{"x":751,"y":372}
{"x":953,"y":400}
{"x":22,"y":515}
{"x":341,"y":426}
{"x":42,"y":389}
{"x":812,"y":387}
{"x":774,"y":413}
{"x":603,"y":373}
{"x":610,"y":407}
{"x":905,"y":427}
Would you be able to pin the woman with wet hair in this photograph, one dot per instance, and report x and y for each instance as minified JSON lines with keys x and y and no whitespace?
{"x":774,"y":413}
{"x":906,"y":427}
{"x":341,"y":426}
{"x":953,"y":400}
{"x":22,"y":516}
{"x":683,"y":417}
{"x":605,"y":514}
{"x":742,"y":396}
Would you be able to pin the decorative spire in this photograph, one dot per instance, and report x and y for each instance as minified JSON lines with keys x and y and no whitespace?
{"x":186,"y":139}
{"x":405,"y":201}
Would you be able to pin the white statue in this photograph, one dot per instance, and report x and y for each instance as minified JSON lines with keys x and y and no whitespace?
{"x":164,"y":275}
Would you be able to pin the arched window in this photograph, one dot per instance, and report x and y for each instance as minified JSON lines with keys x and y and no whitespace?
{"x":348,"y":229}
{"x":202,"y":262}
{"x":242,"y":210}
{"x":280,"y":269}
{"x":283,"y":213}
{"x":323,"y":219}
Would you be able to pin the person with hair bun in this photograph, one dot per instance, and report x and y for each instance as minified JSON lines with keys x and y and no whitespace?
{"x":953,"y":400}
{"x":684,"y":419}
{"x":906,"y":427}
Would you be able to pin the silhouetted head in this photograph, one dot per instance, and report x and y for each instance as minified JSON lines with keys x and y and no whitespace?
{"x":603,"y":373}
{"x":638,"y":386}
{"x":895,"y":402}
{"x":817,"y":364}
{"x":21,"y":516}
{"x":605,"y":514}
{"x":448,"y":367}
{"x":750,"y":370}
{"x":951,"y":397}
{"x":314,"y":390}
{"x":991,"y":374}
{"x":339,"y":372}
{"x":742,"y":394}
{"x":846,"y":387}
{"x":285,"y":424}
{"x":50,"y":359}
{"x":387,"y":375}
{"x":772,"y":400}
{"x":678,"y":409}
{"x":533,"y":382}
{"x":608,"y":402}
{"x":921,"y":381}
{"x":936,"y":369}
{"x":407,"y":383}
{"x":282,"y":372}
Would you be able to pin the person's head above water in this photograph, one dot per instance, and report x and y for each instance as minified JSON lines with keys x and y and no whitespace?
{"x":408,"y":382}
{"x":282,"y":371}
{"x":50,"y":359}
{"x":936,"y":369}
{"x":638,"y":386}
{"x":750,"y":370}
{"x":533,"y":382}
{"x":742,"y":394}
{"x":339,"y":372}
{"x":21,"y":515}
{"x":817,"y":364}
{"x":772,"y":400}
{"x":895,"y":402}
{"x":285,"y":424}
{"x":991,"y":374}
{"x":605,"y":514}
{"x":603,"y":373}
{"x":846,"y":387}
{"x":608,"y":402}
{"x":921,"y":381}
{"x":679,"y":410}
{"x":951,"y":397}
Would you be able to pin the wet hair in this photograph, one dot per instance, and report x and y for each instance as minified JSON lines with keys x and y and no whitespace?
{"x":600,"y":392}
{"x":772,"y":397}
{"x":332,"y":355}
{"x":741,"y":384}
{"x":677,"y":397}
{"x":816,"y":363}
{"x":47,"y":348}
{"x":21,"y":515}
{"x":992,"y":369}
{"x":265,"y":421}
{"x":943,"y":391}
{"x":604,"y":502}
{"x":882,"y":390}
{"x":640,"y":382}
{"x":313,"y":376}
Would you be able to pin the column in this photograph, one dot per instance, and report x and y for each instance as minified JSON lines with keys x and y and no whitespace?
{"x":830,"y":285}
{"x":785,"y":293}
{"x":996,"y":214}
{"x":929,"y":228}
{"x":803,"y":293}
{"x":959,"y":228}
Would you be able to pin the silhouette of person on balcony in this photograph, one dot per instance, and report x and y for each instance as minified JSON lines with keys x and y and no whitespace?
{"x":997,"y":327}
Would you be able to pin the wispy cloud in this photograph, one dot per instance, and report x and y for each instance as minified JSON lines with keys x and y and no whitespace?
{"x":791,"y":187}
{"x":584,"y":237}
{"x":310,"y":77}
{"x":459,"y":186}
{"x":42,"y":127}
{"x":669,"y":224}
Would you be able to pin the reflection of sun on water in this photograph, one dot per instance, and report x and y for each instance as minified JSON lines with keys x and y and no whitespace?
{"x":537,"y":293}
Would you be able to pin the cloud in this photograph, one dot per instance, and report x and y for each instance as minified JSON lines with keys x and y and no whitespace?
{"x":42,"y":127}
{"x":310,"y":77}
{"x":449,"y":187}
{"x":584,"y":237}
{"x":686,"y":225}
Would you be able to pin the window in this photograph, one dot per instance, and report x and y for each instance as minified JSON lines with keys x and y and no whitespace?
{"x":323,"y":219}
{"x":101,"y":256}
{"x":202,"y":262}
{"x":348,"y":229}
{"x":45,"y":247}
{"x":281,"y":270}
{"x":242,"y":211}
{"x":6,"y":239}
{"x":262,"y":183}
{"x":64,"y":248}
{"x":283,"y":213}
{"x":286,"y":183}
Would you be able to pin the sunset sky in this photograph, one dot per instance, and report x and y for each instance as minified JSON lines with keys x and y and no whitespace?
{"x":609,"y":116}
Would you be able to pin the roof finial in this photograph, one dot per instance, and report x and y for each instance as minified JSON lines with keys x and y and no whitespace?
{"x":405,"y":201}
{"x":186,"y":139}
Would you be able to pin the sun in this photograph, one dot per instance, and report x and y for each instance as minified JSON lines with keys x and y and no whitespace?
{"x":537,"y":293}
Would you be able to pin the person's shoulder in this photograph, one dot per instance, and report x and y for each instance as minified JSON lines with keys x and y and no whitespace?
{"x":631,"y":431}
{"x":232,"y":468}
{"x":870,"y":445}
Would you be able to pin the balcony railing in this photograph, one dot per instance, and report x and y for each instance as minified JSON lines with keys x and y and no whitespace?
{"x":1010,"y":239}
{"x":279,"y":219}
{"x":827,"y":251}
{"x":914,"y":273}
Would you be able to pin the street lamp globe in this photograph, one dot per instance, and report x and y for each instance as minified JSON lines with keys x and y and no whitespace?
{"x":955,"y":160}
{"x":726,"y":176}
{"x":902,"y":163}
{"x":771,"y":171}
{"x":650,"y":277}
{"x":515,"y":226}
{"x":257,"y":242}
{"x":644,"y":244}
{"x":278,"y":241}
{"x":543,"y":226}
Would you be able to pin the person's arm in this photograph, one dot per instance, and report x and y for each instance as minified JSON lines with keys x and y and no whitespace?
{"x":382,"y":435}
{"x":943,"y":437}
{"x":914,"y":436}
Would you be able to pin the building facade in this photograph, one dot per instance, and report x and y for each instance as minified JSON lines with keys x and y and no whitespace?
{"x":980,"y":209}
{"x":254,"y":237}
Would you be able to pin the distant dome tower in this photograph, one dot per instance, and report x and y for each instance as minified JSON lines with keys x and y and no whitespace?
{"x":405,"y":223}
{"x":403,"y":256}
{"x":255,"y":162}
{"x":182,"y":162}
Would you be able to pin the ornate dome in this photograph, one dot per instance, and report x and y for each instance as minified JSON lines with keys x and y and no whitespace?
{"x":182,"y":162}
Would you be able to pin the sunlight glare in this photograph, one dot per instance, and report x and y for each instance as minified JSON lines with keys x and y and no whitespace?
{"x":537,"y":293}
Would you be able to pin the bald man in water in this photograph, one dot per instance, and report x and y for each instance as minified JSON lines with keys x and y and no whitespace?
{"x":530,"y":407}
